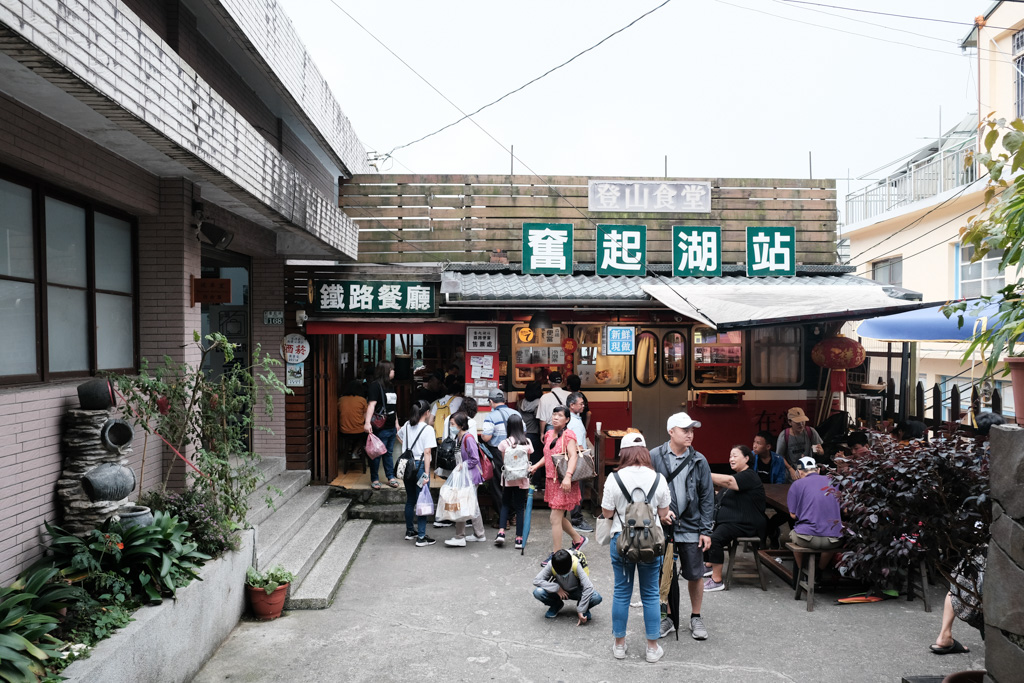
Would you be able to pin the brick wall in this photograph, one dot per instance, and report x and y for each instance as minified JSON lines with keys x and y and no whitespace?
{"x":268,"y":294}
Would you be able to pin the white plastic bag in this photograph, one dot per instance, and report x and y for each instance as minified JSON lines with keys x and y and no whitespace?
{"x":425,"y":503}
{"x":456,"y":500}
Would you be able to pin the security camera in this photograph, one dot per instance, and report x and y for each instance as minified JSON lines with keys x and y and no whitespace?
{"x":301,"y":318}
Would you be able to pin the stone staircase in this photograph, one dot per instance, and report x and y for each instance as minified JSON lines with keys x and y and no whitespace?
{"x":306,"y":531}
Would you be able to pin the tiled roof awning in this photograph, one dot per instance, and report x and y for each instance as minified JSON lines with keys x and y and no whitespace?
{"x":756,"y":304}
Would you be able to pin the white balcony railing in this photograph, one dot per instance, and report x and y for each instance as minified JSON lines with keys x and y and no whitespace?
{"x":922,"y":179}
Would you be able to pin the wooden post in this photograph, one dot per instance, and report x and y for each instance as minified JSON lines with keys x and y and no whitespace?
{"x":997,"y":402}
{"x":936,"y":404}
{"x":954,"y":404}
{"x":919,"y":408}
{"x":890,"y":399}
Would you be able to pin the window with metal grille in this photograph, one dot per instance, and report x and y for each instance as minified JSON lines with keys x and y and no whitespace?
{"x":888,"y":271}
{"x":1018,"y":42}
{"x":982,"y":277}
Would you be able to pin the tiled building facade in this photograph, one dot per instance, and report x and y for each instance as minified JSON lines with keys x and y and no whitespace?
{"x":117,"y":121}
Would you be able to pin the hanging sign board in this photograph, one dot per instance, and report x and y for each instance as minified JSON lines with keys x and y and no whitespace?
{"x":294,"y":348}
{"x":346,"y":296}
{"x":687,"y":196}
{"x":482,"y":339}
{"x":211,"y":290}
{"x":618,"y":341}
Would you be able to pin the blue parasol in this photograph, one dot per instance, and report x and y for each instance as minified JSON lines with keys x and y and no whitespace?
{"x":528,"y":513}
{"x":929,"y":324}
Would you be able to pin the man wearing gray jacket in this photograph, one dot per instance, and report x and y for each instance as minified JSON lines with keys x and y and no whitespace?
{"x":693,"y":509}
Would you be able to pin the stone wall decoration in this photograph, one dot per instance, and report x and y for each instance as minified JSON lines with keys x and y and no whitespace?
{"x":96,"y":480}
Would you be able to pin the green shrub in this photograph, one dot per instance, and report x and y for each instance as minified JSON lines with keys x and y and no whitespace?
{"x":28,"y":613}
{"x":212,"y":531}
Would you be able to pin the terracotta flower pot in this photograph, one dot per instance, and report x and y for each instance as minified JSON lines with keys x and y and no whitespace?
{"x":1016,"y":365}
{"x":267,"y":606}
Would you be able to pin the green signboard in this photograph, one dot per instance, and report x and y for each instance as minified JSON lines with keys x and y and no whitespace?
{"x":346,"y":296}
{"x":696,"y":251}
{"x":547,"y":248}
{"x":771,"y":251}
{"x":621,"y":249}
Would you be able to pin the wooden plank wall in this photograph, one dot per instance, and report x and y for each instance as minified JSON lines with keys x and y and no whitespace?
{"x":413,"y":218}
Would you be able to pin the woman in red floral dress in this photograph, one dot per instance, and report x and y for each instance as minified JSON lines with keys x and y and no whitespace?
{"x":561,"y":496}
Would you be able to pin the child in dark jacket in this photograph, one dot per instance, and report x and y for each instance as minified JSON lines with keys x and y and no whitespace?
{"x":565,"y":578}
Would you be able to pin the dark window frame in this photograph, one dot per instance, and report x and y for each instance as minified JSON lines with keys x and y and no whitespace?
{"x":41,"y":190}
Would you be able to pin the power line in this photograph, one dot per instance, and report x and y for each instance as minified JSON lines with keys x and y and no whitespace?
{"x":889,"y":14}
{"x":531,"y":82}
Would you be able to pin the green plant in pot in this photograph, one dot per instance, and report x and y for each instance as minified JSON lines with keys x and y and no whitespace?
{"x":267,"y":590}
{"x":1000,"y":229}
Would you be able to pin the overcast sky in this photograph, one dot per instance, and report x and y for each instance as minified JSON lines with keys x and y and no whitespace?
{"x":725,"y":89}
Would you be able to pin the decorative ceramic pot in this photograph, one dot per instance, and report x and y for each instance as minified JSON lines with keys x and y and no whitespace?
{"x":267,"y":606}
{"x":108,"y":481}
{"x":135,"y":515}
{"x":116,"y":434}
{"x":96,"y":394}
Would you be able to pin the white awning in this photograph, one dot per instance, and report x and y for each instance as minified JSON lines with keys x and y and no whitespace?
{"x":756,"y":304}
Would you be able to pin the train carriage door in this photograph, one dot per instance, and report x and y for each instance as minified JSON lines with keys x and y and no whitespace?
{"x":659,"y":380}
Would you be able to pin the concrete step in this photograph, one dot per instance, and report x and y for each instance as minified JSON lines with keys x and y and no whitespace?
{"x":386,"y":496}
{"x":305,"y":546}
{"x":317,"y":590}
{"x":382,"y":514}
{"x":277,"y":530}
{"x":289,"y":482}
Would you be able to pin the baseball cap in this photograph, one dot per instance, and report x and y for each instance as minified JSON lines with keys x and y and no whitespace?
{"x":554,"y":378}
{"x":496,"y":395}
{"x":796,"y":415}
{"x":633,"y":439}
{"x":806,"y":463}
{"x":681,"y":420}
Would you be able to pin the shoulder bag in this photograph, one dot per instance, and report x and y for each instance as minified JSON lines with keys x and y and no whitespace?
{"x":379,"y":417}
{"x":585,"y":468}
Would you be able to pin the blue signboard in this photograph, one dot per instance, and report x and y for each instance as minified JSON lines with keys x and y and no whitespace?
{"x":619,"y":341}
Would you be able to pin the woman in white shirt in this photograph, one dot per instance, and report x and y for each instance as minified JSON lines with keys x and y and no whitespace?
{"x":418,"y":436}
{"x":635,"y":472}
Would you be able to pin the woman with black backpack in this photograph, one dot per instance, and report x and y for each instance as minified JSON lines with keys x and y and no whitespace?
{"x":417,"y":438}
{"x":516,"y":450}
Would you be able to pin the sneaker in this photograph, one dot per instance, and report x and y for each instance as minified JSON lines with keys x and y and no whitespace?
{"x":441,"y":525}
{"x":410,"y":535}
{"x":697,"y":629}
{"x":581,"y":525}
{"x":655,"y":654}
{"x":667,"y":627}
{"x":710,"y":586}
{"x":544,"y":563}
{"x":519,"y":542}
{"x":579,"y":546}
{"x":551,"y":613}
{"x":476,"y":539}
{"x":499,"y":540}
{"x":619,"y":652}
{"x":456,"y":543}
{"x":707,"y":572}
{"x":424,"y":540}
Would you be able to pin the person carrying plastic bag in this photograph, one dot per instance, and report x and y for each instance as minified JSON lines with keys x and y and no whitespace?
{"x":417,"y":438}
{"x":471,"y":465}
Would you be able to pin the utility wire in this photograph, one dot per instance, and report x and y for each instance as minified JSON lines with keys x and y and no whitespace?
{"x":532,"y":81}
{"x":889,"y":14}
{"x":598,"y":228}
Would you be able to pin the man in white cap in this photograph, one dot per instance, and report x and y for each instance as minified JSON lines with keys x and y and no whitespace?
{"x":814,"y":507}
{"x":693,"y":507}
{"x":798,"y":440}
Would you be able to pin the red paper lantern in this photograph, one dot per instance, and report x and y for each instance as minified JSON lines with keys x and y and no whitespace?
{"x":838,"y":354}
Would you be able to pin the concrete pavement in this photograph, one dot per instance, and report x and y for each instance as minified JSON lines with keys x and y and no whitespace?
{"x":467,"y":614}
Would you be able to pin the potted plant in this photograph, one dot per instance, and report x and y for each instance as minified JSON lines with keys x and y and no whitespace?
{"x":1000,"y":225}
{"x":267,"y":591}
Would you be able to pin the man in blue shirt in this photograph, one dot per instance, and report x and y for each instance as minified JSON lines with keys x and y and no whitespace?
{"x":771,"y":467}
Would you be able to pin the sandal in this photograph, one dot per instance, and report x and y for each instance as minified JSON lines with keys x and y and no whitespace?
{"x":955,"y":648}
{"x":393,"y":483}
{"x":375,"y":485}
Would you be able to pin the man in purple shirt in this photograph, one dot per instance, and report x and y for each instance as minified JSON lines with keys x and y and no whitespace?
{"x":814,"y":507}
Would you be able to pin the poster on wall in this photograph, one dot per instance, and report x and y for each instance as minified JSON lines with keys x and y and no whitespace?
{"x":296,"y":375}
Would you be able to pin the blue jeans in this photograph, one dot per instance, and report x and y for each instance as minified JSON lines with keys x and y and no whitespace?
{"x":412,"y":494}
{"x":388,"y":437}
{"x":649,"y":576}
{"x":553,"y":601}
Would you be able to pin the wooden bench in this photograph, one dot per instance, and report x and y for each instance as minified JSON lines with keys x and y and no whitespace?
{"x":750,"y":543}
{"x":805,"y":573}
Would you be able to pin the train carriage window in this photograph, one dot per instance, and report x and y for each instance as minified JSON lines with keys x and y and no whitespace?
{"x":673,"y":358}
{"x":776,"y":356}
{"x":717,"y":357}
{"x":594,"y":368}
{"x":646,"y":369}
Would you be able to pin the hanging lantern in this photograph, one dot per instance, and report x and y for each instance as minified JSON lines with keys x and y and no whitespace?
{"x":838,"y":354}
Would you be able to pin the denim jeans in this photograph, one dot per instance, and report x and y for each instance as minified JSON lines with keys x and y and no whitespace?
{"x":624,"y":573}
{"x":552,"y":600}
{"x":388,"y":437}
{"x":412,"y":494}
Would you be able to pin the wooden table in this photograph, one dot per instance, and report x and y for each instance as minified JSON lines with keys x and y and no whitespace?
{"x":775,"y":497}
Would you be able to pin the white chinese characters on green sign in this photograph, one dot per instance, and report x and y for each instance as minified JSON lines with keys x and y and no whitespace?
{"x":375,"y":297}
{"x":621,"y":249}
{"x":696,"y":251}
{"x":547,"y":248}
{"x":771,"y":251}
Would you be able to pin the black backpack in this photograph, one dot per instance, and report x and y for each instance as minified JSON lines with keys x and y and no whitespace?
{"x":406,"y":468}
{"x":446,"y":454}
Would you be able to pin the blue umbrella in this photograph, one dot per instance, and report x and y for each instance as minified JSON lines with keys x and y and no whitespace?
{"x":528,"y":512}
{"x":929,"y":324}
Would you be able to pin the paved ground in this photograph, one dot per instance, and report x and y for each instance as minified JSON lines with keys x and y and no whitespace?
{"x":460,"y":614}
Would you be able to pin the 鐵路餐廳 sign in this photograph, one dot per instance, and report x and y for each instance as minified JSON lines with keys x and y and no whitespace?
{"x":346,"y":296}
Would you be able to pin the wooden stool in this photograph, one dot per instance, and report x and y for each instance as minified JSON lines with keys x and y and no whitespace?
{"x":750,"y":542}
{"x":805,"y":574}
{"x":347,"y":445}
{"x":916,"y":583}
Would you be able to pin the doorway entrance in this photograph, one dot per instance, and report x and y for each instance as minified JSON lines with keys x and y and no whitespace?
{"x":659,"y":379}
